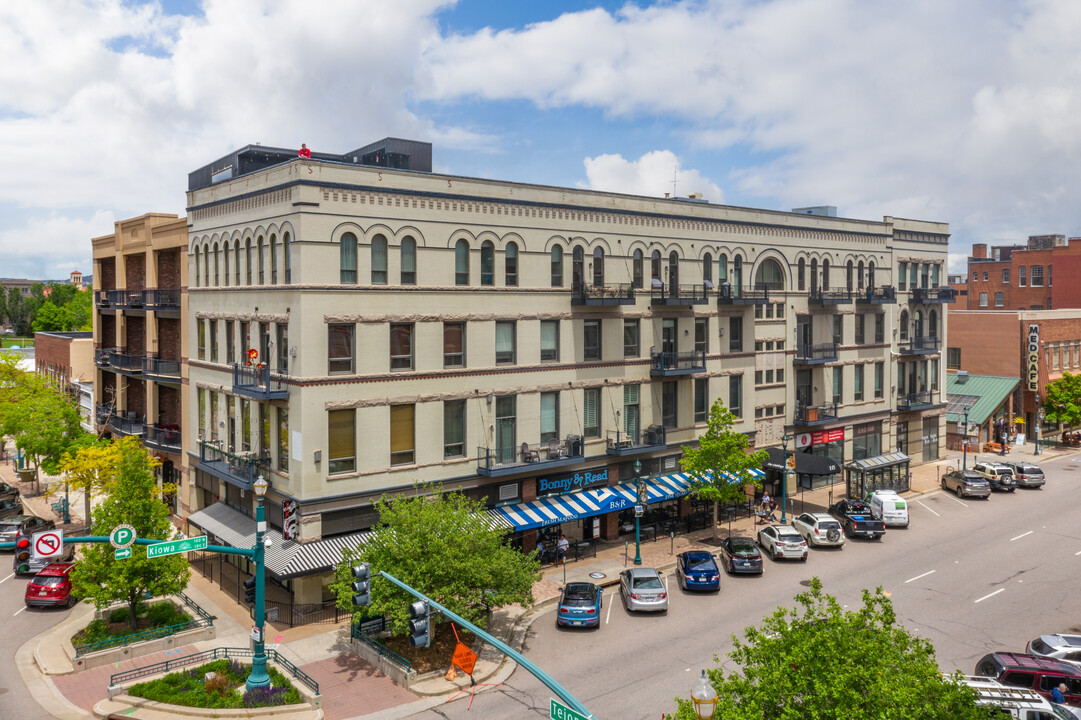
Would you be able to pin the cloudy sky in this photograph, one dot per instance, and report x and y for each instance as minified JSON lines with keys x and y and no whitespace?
{"x":964,"y":111}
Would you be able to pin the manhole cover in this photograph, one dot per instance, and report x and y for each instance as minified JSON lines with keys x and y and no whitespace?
{"x":596,"y":575}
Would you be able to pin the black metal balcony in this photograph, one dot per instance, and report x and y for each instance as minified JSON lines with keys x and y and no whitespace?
{"x":103,"y":357}
{"x":118,"y":298}
{"x":815,"y":354}
{"x":831,"y":298}
{"x":810,"y":415}
{"x":727,"y":295}
{"x":162,"y":300}
{"x":240,"y":469}
{"x":653,"y":437}
{"x":130,"y":424}
{"x":259,"y":382}
{"x":668,"y":364}
{"x":662,"y":294}
{"x":126,"y":363}
{"x":102,"y":300}
{"x":885,"y":295}
{"x":620,"y":294}
{"x":102,"y":413}
{"x":919,"y":346}
{"x":161,"y":370}
{"x":165,"y":438}
{"x":915,"y":401}
{"x":934,"y":295}
{"x":492,"y":462}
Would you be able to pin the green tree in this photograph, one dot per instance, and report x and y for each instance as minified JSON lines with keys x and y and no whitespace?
{"x":720,"y":467}
{"x":81,"y":307}
{"x":443,"y":546}
{"x":90,"y":465}
{"x":43,"y":421}
{"x":1063,"y":401}
{"x":820,"y":661}
{"x":18,"y":312}
{"x":133,"y":498}
{"x":50,"y":318}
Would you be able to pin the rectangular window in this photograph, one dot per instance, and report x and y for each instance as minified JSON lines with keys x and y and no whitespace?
{"x":341,"y":441}
{"x":902,"y":275}
{"x":504,"y":343}
{"x":838,"y":329}
{"x":549,"y":416}
{"x":880,"y":374}
{"x":857,"y":383}
{"x":985,"y":276}
{"x":880,"y":328}
{"x":913,"y":269}
{"x":780,"y":375}
{"x":244,"y":342}
{"x":630,"y":338}
{"x":202,"y":339}
{"x":591,"y":415}
{"x":245,"y":425}
{"x":401,"y":346}
{"x":867,"y":440}
{"x":454,"y":428}
{"x":283,"y":439}
{"x":758,"y":377}
{"x":1021,"y":276}
{"x":591,"y":340}
{"x":999,"y":299}
{"x":201,"y":395}
{"x":735,"y":395}
{"x":402,"y":444}
{"x":735,"y":334}
{"x":283,"y":347}
{"x":630,"y":410}
{"x":1036,"y":276}
{"x":230,"y":421}
{"x":780,"y":310}
{"x":230,"y":342}
{"x":1005,"y":276}
{"x":506,"y":428}
{"x":934,"y":375}
{"x":701,"y":335}
{"x":453,"y":344}
{"x":838,"y":384}
{"x":340,"y":349}
{"x":861,"y":322}
{"x":935,"y":274}
{"x":669,"y":408}
{"x":983,"y":299}
{"x":549,"y":341}
{"x":701,"y":399}
{"x":214,"y":416}
{"x":769,"y":377}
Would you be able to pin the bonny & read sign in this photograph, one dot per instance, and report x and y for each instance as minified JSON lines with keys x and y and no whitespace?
{"x":572,"y":482}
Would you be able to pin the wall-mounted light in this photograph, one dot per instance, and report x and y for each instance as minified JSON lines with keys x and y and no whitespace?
{"x":490,"y":398}
{"x":318,"y":456}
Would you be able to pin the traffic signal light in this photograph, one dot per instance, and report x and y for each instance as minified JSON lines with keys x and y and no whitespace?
{"x":420,"y":614}
{"x":22,"y":555}
{"x":249,"y":591}
{"x":362,"y":583}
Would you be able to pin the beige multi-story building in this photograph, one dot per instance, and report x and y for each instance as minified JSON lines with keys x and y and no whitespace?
{"x":140,"y":346}
{"x":361,"y":324}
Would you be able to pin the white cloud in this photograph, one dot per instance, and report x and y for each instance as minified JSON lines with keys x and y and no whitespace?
{"x":653,"y":174}
{"x":49,"y":247}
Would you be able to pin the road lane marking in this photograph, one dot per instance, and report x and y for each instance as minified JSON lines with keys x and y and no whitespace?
{"x":928,"y":509}
{"x":1021,"y":536}
{"x":608,"y":616}
{"x":996,"y":592}
{"x":951,"y":497}
{"x":7,"y":578}
{"x":1078,"y":552}
{"x":919,"y":576}
{"x":19,"y":611}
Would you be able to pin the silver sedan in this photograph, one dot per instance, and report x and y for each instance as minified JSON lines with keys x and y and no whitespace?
{"x":782,"y":541}
{"x":642,"y":589}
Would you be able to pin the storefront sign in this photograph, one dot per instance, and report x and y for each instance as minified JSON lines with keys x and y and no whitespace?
{"x":571,"y":483}
{"x":827,"y":436}
{"x":1033,"y":363}
{"x":290,"y":519}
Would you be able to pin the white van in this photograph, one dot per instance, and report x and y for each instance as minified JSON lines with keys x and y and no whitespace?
{"x":890,"y":507}
{"x":1010,"y":702}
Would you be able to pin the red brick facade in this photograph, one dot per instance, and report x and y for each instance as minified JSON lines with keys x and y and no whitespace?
{"x":1022,"y":277}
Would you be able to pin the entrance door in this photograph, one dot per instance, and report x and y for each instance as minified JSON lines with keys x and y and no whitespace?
{"x":930,"y":439}
{"x":669,"y":339}
{"x":804,"y":388}
{"x":803,"y":333}
{"x":505,"y":415}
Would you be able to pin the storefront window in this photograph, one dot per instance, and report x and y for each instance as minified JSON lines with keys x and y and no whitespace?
{"x":866,"y":440}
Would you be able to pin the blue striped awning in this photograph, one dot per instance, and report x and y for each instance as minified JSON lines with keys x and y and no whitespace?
{"x":565,"y":508}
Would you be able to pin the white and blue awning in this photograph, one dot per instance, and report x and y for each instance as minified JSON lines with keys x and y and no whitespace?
{"x":558,"y":509}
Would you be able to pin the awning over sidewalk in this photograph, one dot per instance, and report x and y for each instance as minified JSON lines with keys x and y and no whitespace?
{"x":806,"y":463}
{"x":574,"y":506}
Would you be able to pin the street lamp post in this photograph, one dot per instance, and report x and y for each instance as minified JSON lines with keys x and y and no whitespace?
{"x":784,"y":479}
{"x":637,"y":513}
{"x":259,"y":677}
{"x":1036,"y":426}
{"x":964,"y":444}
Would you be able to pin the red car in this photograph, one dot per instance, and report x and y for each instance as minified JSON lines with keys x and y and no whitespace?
{"x":51,"y":587}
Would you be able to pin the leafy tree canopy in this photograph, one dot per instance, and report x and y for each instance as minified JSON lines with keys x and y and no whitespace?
{"x":820,"y":661}
{"x":1063,"y":401}
{"x":443,"y":546}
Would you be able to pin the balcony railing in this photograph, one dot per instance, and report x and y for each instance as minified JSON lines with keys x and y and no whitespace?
{"x":504,"y":460}
{"x":130,"y":424}
{"x":101,"y":299}
{"x":127,"y":363}
{"x":103,"y":357}
{"x":662,"y":294}
{"x":665,"y":364}
{"x":934,"y":295}
{"x":162,"y":437}
{"x":161,"y":369}
{"x":259,"y":382}
{"x":240,"y":469}
{"x":727,"y":295}
{"x":621,"y":294}
{"x":816,"y":354}
{"x":919,"y":346}
{"x":916,"y":400}
{"x":102,"y":413}
{"x":162,"y":299}
{"x":621,"y":443}
{"x":885,"y":295}
{"x":830,"y":298}
{"x":815,"y":414}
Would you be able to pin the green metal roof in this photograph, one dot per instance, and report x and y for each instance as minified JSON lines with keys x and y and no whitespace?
{"x":981,"y":394}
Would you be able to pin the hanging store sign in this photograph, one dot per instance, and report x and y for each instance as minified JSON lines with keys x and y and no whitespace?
{"x":1033,"y":359}
{"x":290,"y":519}
{"x":827,"y":436}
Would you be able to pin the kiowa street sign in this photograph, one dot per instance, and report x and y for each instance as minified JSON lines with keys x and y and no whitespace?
{"x":172,"y":547}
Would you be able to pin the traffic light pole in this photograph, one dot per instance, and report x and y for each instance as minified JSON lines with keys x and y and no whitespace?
{"x":555,"y":687}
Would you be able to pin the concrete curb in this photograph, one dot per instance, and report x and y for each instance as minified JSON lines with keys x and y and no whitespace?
{"x":41,"y":688}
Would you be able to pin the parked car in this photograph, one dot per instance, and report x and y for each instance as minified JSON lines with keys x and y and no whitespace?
{"x":889,"y":507}
{"x":10,"y":508}
{"x":580,"y":605}
{"x":696,"y":570}
{"x":51,"y":587}
{"x":1034,"y":672}
{"x":739,"y":555}
{"x":642,"y":589}
{"x":966,"y":483}
{"x":857,"y":519}
{"x":1025,"y":474}
{"x":782,"y":541}
{"x":1067,"y":712}
{"x":998,"y":476}
{"x":28,"y":524}
{"x":8,"y":492}
{"x":1059,"y":647}
{"x":819,"y":529}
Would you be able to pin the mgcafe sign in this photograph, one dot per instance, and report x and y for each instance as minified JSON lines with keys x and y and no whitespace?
{"x":570,"y":483}
{"x":1032,"y":364}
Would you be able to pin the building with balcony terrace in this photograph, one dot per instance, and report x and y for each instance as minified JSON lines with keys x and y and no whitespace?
{"x":356,"y":330}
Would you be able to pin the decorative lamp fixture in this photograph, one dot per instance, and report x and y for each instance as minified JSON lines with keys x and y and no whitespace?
{"x":260,"y":486}
{"x":704,"y":698}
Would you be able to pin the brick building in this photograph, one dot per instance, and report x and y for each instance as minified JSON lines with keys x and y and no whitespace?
{"x":1020,"y":277}
{"x":67,"y":358}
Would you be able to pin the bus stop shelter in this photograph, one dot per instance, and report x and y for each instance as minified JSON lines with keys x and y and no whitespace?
{"x":882,"y":472}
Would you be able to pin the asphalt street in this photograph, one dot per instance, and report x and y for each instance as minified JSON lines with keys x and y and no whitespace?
{"x":970,"y":575}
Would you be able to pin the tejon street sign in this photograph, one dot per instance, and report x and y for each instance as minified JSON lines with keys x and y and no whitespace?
{"x":173,"y":547}
{"x":122,"y":536}
{"x":122,"y":553}
{"x":562,"y":712}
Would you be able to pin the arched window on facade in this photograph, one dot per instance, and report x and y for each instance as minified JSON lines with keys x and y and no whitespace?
{"x":722,"y":269}
{"x":196,"y":254}
{"x":636,"y":269}
{"x":409,"y":261}
{"x":247,"y":262}
{"x":557,"y":266}
{"x":217,"y":254}
{"x":461,"y":263}
{"x":673,"y":272}
{"x":707,"y":271}
{"x":859,"y":276}
{"x":826,"y":274}
{"x":225,"y":264}
{"x":801,"y":274}
{"x":487,"y":263}
{"x":848,"y":277}
{"x":236,"y":263}
{"x":578,"y":271}
{"x":379,"y":260}
{"x":932,"y":323}
{"x":510,"y":264}
{"x":769,"y":275}
{"x":655,"y":268}
{"x":262,"y":261}
{"x":871,"y":273}
{"x":348,"y":259}
{"x":904,"y":325}
{"x":917,"y":324}
{"x":814,"y":275}
{"x":598,"y":267}
{"x":273,"y":260}
{"x":287,"y":259}
{"x":737,"y":275}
